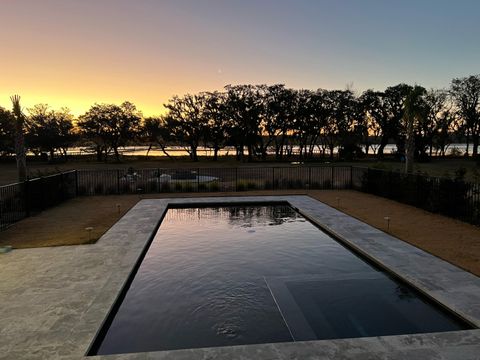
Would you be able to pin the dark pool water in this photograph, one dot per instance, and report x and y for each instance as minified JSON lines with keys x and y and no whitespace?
{"x":257,"y":274}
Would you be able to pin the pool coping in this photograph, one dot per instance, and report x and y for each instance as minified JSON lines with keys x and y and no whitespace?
{"x":128,"y":239}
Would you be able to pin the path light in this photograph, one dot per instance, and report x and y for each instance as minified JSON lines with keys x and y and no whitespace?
{"x":118,"y":208}
{"x":89,"y":229}
{"x":387,"y":219}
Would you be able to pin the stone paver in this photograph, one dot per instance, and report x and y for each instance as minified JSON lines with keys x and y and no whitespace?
{"x":54,"y":300}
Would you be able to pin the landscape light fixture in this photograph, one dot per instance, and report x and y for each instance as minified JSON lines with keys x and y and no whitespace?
{"x":387,"y":219}
{"x":89,"y":229}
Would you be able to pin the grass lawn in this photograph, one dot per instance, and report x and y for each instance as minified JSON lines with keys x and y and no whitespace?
{"x":436,"y":167}
{"x":449,"y":239}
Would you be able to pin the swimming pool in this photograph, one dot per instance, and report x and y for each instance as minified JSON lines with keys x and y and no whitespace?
{"x":249,"y":274}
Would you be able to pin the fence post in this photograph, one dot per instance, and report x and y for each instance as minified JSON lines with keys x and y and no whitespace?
{"x":351,"y":177}
{"x":273,"y":178}
{"x":367,"y":183}
{"x":63,"y":194}
{"x":76,"y":183}
{"x":331,"y":183}
{"x":198,"y":179}
{"x":310,"y":177}
{"x":118,"y":181}
{"x":42,"y":187}
{"x":26,"y":193}
{"x":236,"y":178}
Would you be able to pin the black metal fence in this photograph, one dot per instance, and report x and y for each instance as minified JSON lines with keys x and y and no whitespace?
{"x":105,"y":182}
{"x":451,"y":197}
{"x":21,"y":200}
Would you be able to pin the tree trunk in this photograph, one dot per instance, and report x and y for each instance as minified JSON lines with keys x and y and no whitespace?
{"x":383,"y":143}
{"x":193,"y":153}
{"x":99,"y":151}
{"x":117,"y":155}
{"x":250,"y":152}
{"x":468,"y":142}
{"x":238,"y":153}
{"x":331,"y":147}
{"x":474,"y":145}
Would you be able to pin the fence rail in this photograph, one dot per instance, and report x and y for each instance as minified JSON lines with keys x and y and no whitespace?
{"x":450,"y":197}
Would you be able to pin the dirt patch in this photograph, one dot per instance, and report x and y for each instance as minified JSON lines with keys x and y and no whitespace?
{"x":452,"y":240}
{"x":449,"y":239}
{"x":66,"y":224}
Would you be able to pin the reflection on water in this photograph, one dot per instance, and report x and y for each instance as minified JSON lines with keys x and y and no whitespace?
{"x":218,"y":276}
{"x":237,"y":216}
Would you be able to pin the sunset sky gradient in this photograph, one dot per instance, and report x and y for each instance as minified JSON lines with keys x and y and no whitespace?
{"x":76,"y":52}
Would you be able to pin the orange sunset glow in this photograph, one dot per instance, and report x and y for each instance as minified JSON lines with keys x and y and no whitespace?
{"x":76,"y":53}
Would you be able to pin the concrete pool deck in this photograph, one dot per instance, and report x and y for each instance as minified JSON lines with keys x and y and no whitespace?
{"x":54,"y":300}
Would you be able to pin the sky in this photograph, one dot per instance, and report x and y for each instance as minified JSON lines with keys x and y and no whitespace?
{"x":74,"y":53}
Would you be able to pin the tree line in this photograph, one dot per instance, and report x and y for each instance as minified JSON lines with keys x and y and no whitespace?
{"x":257,"y":119}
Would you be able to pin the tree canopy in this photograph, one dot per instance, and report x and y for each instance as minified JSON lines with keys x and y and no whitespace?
{"x":258,"y":120}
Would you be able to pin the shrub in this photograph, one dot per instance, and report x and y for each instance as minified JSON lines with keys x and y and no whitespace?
{"x":98,"y":189}
{"x":291,"y":184}
{"x":214,"y":186}
{"x":251,"y":185}
{"x":241,"y":186}
{"x":444,"y":195}
{"x":178,"y":186}
{"x":111,"y":190}
{"x":327,"y":184}
{"x":455,"y":152}
{"x":188,"y":187}
{"x":315,"y":185}
{"x":460,"y":173}
{"x":165,"y":187}
{"x":82,"y":190}
{"x":202,"y":187}
{"x":124,"y":188}
{"x":381,"y":166}
{"x":268,"y":185}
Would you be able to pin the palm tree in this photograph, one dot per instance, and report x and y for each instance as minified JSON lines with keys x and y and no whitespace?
{"x":19,"y":138}
{"x":413,"y":112}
